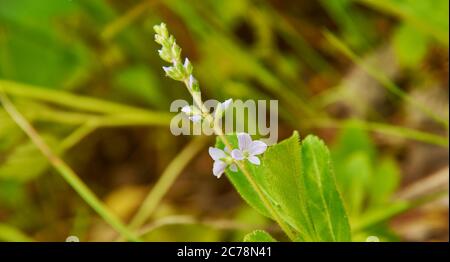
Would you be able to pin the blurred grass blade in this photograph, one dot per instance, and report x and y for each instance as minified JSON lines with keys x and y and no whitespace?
{"x":65,"y":171}
{"x":433,"y":21}
{"x":380,"y":77}
{"x":75,"y":101}
{"x":11,"y":234}
{"x":166,"y":180}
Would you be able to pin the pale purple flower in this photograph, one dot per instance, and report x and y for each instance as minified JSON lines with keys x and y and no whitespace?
{"x":222,"y":160}
{"x":248,"y":149}
{"x":193,"y":113}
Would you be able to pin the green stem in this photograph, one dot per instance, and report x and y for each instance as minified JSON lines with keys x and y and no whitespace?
{"x":258,"y":190}
{"x":388,"y":129}
{"x":218,"y":132}
{"x":75,"y":101}
{"x":65,"y":171}
{"x":125,"y":119}
{"x":76,"y":136}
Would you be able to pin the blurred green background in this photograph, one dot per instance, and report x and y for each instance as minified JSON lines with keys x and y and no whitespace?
{"x":368,"y":76}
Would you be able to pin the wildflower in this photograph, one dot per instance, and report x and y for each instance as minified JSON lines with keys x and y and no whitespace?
{"x":248,"y":149}
{"x":222,"y":160}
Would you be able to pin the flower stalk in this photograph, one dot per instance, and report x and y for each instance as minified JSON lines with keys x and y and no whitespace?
{"x":171,"y":52}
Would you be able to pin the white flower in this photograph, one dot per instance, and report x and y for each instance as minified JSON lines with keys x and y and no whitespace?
{"x":193,"y":113}
{"x":248,"y":149}
{"x":221,"y":161}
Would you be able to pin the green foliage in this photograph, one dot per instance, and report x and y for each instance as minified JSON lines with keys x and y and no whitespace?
{"x":28,"y":40}
{"x":242,"y":49}
{"x":356,"y":30}
{"x":325,"y":206}
{"x":9,"y":132}
{"x":410,"y":45}
{"x":429,"y":17}
{"x":259,"y":236}
{"x":25,"y":162}
{"x":284,"y":184}
{"x":384,"y":183}
{"x":241,"y":183}
{"x":140,"y":83}
{"x":303,"y":193}
{"x":366,"y":180}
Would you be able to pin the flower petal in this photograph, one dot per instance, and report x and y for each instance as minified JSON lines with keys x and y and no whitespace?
{"x":244,"y":140}
{"x":237,"y":154}
{"x":216,"y":154}
{"x":254,"y":160}
{"x":233,"y":168}
{"x":257,"y":147}
{"x":186,"y":109}
{"x":219,"y":168}
{"x":195,"y":118}
{"x":167,"y":69}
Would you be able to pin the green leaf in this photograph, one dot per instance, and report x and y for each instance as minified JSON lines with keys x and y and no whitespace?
{"x":410,"y":45}
{"x":353,"y":138}
{"x":12,"y":234}
{"x":25,"y":162}
{"x":241,"y":183}
{"x":282,"y":169}
{"x":385,"y":181}
{"x":324,"y":204}
{"x":259,"y":236}
{"x":9,"y":131}
{"x":300,"y":185}
{"x":354,"y":177}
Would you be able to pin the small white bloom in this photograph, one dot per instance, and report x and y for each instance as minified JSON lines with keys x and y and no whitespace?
{"x":248,"y":149}
{"x":221,"y":161}
{"x":186,"y":109}
{"x":195,"y":118}
{"x":193,"y":113}
{"x":167,"y":69}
